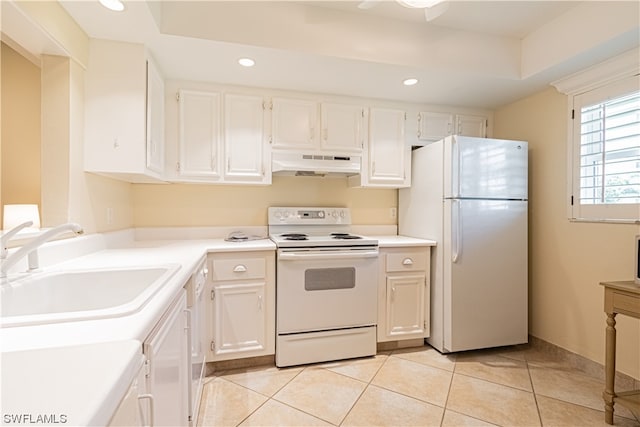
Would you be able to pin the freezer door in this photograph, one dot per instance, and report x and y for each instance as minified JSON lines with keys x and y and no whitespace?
{"x":485,"y":168}
{"x":485,"y":274}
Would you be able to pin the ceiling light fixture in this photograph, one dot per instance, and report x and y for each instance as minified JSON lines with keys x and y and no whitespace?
{"x":246,"y":62}
{"x":410,"y":82}
{"x":115,"y":5}
{"x":419,"y":4}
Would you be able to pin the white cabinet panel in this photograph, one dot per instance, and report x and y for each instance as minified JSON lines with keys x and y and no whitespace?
{"x":342,"y":127}
{"x":405,"y":306}
{"x":246,"y":153}
{"x":294,"y":123}
{"x":241,"y":306}
{"x":434,"y":126}
{"x":404,"y":293}
{"x":155,"y":118}
{"x":240,"y":317}
{"x":124,"y":109}
{"x":168,"y":354}
{"x":131,"y":411}
{"x":468,"y":125}
{"x":389,"y":157}
{"x":199,"y":142}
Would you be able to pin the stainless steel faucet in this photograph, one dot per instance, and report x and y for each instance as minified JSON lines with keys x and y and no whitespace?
{"x":4,"y":240}
{"x":30,"y":249}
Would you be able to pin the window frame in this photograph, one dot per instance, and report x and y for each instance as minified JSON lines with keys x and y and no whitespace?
{"x":607,"y":75}
{"x":609,"y":212}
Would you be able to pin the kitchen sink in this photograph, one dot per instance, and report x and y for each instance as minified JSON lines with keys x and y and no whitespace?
{"x":75,"y":295}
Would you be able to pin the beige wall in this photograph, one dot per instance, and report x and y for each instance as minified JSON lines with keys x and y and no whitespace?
{"x":69,"y":193}
{"x":567,"y":260}
{"x":219,"y":205}
{"x":21,"y":129}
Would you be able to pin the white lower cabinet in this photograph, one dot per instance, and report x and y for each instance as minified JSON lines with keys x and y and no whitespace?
{"x":167,"y":366}
{"x":134,"y":407}
{"x":241,"y":309}
{"x":403,"y":293}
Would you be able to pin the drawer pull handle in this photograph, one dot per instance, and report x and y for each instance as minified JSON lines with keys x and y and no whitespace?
{"x":239,"y":268}
{"x":407,"y":261}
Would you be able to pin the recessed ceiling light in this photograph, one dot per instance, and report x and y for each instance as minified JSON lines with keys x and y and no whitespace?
{"x":246,"y":62}
{"x":410,"y":82}
{"x":115,"y":5}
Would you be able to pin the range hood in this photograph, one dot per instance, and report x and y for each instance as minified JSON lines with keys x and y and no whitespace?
{"x":297,"y":164}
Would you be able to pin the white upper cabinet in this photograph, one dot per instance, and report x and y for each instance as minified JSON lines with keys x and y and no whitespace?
{"x":199,"y":134}
{"x":294,"y":124}
{"x":222,"y":138}
{"x":342,"y":127}
{"x":124,"y":113}
{"x":246,"y":153}
{"x":468,"y":125}
{"x":388,"y":159}
{"x":434,"y":126}
{"x":155,"y":119}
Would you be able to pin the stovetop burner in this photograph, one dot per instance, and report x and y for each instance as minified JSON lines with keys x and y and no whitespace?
{"x":313,"y":227}
{"x":345,"y":236}
{"x":295,"y":236}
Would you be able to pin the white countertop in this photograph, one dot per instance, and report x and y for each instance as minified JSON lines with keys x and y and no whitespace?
{"x":76,"y":385}
{"x":85,"y":367}
{"x":82,"y":369}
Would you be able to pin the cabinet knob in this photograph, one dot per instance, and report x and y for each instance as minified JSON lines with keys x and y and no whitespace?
{"x":407,"y":261}
{"x":240,"y":268}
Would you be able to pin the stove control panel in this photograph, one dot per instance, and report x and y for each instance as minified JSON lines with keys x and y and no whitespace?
{"x":311,"y":216}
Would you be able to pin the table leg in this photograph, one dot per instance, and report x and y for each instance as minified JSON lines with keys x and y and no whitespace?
{"x":610,"y":368}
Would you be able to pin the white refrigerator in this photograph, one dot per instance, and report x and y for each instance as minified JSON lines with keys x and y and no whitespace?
{"x":470,"y":196}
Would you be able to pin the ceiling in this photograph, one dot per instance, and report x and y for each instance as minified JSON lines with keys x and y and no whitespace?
{"x":480,"y":54}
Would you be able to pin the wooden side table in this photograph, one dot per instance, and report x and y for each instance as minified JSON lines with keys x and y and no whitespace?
{"x":623,"y":298}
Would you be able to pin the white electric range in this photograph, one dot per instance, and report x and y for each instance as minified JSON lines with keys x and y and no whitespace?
{"x":326,"y":286}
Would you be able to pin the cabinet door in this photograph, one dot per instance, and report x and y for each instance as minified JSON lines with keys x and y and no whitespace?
{"x":389,"y":156}
{"x":155,"y":119}
{"x":294,"y":123}
{"x":132,"y":410}
{"x":245,"y":154}
{"x":468,"y":125}
{"x":405,"y":306}
{"x":239,"y":318}
{"x":168,"y":379}
{"x":434,"y":126}
{"x":199,"y":142}
{"x":342,"y":127}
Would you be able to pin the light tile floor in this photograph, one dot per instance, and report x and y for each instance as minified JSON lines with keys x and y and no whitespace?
{"x":411,"y":387}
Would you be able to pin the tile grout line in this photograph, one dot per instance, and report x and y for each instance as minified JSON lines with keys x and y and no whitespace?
{"x":365,"y":389}
{"x":535,"y":396}
{"x":446,"y":401}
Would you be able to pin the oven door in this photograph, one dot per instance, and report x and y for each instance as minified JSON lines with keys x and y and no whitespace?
{"x":324,"y":289}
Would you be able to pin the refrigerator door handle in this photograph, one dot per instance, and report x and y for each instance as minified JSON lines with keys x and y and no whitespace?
{"x":457,"y":233}
{"x":456,"y":165}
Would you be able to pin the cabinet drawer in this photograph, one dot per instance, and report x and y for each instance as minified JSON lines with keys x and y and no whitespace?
{"x":626,"y":303}
{"x":407,"y":261}
{"x":240,"y":268}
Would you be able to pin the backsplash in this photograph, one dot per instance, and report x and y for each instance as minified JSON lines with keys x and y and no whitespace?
{"x":176,"y":205}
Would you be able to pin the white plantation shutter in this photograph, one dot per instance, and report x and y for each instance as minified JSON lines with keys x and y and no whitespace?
{"x":606,"y":150}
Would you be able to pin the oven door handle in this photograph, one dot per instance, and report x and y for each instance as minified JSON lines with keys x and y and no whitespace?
{"x":299,"y":256}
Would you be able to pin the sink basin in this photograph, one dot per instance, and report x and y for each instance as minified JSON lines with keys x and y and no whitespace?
{"x":80,"y":294}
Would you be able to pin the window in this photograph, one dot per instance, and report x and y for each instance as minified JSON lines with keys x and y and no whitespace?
{"x":606,"y":152}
